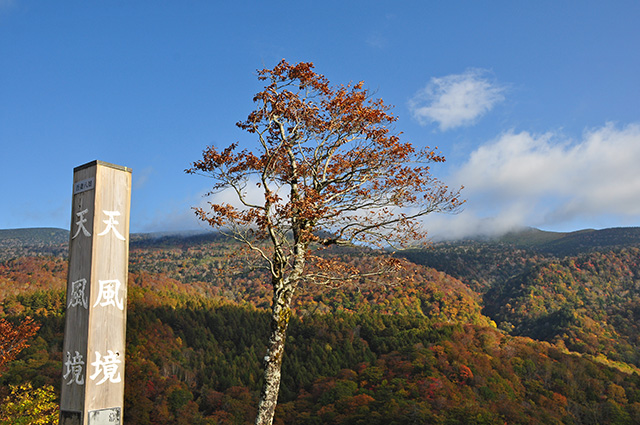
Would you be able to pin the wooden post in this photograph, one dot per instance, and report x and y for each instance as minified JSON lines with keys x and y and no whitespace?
{"x":94,"y":338}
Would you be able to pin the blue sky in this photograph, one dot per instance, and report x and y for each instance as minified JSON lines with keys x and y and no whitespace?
{"x":536,"y":105}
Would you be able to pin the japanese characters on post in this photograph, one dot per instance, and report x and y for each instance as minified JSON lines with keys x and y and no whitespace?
{"x":94,"y":340}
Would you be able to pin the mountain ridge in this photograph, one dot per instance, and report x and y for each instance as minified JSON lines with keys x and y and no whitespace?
{"x":558,"y":243}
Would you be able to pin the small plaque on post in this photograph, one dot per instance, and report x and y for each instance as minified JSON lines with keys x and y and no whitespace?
{"x":105,"y":417}
{"x":84,"y":185}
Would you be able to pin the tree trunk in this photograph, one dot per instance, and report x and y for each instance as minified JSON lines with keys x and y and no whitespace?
{"x":280,"y":314}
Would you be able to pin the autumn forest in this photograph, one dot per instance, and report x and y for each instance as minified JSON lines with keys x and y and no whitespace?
{"x":532,"y":328}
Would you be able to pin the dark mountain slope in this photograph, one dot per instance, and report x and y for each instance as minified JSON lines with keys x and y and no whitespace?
{"x":573,"y":243}
{"x":42,"y":236}
{"x":37,"y":241}
{"x":481,"y":263}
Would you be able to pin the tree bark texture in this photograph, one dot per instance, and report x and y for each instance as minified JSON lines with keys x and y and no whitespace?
{"x":280,"y":315}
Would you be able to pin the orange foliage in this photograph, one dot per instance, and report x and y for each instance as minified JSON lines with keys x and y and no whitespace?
{"x":13,"y":339}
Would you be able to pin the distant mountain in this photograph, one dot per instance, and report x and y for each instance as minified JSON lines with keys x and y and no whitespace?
{"x":35,"y":241}
{"x":573,"y":243}
{"x":48,"y":236}
{"x":481,"y":262}
{"x":34,"y":236}
{"x":174,"y":239}
{"x":53,"y":241}
{"x":555,"y":243}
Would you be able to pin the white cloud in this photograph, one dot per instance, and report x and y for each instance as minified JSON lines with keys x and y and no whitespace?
{"x":546,"y":181}
{"x":178,"y":218}
{"x":252,"y":193}
{"x":456,"y":100}
{"x":518,"y":179}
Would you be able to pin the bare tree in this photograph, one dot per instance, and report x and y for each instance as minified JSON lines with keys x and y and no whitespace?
{"x":331,"y":173}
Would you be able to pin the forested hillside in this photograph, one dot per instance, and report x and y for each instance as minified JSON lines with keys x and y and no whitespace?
{"x":587,"y":301}
{"x":33,"y":242}
{"x":510,"y":335}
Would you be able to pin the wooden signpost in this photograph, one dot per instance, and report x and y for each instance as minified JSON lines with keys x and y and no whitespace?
{"x":94,"y":339}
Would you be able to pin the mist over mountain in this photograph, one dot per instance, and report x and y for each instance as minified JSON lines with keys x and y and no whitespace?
{"x":557,"y":243}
